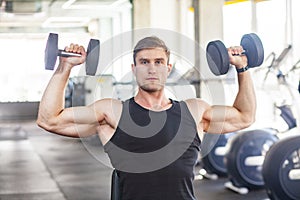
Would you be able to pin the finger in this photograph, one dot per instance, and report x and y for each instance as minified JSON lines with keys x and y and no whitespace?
{"x":75,"y":48}
{"x":236,"y":50}
{"x":69,"y":48}
{"x":239,"y":49}
{"x":231,"y":50}
{"x":81,"y":50}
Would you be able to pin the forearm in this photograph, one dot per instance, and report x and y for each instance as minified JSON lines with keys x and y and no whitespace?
{"x":53,"y":100}
{"x":245,"y":101}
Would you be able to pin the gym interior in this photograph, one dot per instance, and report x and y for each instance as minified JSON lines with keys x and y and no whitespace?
{"x":38,"y":165}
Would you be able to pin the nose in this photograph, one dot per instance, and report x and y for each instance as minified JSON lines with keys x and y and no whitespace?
{"x":151,"y":68}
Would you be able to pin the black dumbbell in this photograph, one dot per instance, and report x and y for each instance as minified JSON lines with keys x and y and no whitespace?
{"x":52,"y":51}
{"x":218,"y":59}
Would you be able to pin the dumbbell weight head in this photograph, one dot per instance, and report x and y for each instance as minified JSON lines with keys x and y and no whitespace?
{"x":52,"y":51}
{"x":218,"y":59}
{"x":254,"y":49}
{"x":92,"y":59}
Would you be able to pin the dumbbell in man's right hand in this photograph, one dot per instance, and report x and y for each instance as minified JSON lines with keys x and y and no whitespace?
{"x":77,"y":58}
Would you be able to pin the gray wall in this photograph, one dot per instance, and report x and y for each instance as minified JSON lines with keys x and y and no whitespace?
{"x":15,"y":111}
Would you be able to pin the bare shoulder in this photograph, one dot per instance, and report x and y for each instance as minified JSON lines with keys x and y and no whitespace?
{"x":197,"y":108}
{"x":107,"y":103}
{"x":108,"y":107}
{"x":196,"y":104}
{"x":109,"y":113}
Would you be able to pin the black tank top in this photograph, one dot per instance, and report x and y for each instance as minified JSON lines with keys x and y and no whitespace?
{"x":154,"y":153}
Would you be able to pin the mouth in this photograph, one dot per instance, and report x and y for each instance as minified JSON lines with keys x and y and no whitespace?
{"x":151,"y":79}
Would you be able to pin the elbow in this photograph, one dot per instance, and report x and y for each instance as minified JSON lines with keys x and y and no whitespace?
{"x":248,"y":120}
{"x":40,"y":123}
{"x":252,"y":117}
{"x":45,"y":124}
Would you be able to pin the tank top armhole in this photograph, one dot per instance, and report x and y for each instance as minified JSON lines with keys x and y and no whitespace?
{"x":191,"y":116}
{"x":108,"y":143}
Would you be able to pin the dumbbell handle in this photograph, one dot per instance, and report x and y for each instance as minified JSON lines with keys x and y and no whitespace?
{"x":63,"y":53}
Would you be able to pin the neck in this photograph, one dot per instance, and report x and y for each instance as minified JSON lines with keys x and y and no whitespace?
{"x":155,"y":101}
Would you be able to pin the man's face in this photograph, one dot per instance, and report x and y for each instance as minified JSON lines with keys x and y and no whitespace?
{"x":151,"y":69}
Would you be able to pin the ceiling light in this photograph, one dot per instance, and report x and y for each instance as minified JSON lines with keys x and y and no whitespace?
{"x":70,"y":4}
{"x":66,"y":22}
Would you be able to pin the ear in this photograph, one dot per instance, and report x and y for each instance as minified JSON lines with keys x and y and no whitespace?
{"x":133,"y":68}
{"x":170,"y":67}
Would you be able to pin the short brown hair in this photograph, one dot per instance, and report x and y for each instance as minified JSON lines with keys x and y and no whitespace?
{"x":149,"y":43}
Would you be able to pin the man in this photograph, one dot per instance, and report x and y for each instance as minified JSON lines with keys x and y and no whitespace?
{"x":151,"y":140}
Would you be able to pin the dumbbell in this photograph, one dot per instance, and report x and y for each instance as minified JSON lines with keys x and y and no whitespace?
{"x":52,"y":51}
{"x":218,"y":58}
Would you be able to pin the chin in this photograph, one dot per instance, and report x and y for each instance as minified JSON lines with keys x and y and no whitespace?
{"x":151,"y":88}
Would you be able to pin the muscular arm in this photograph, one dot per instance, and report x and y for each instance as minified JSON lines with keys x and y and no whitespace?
{"x":223,"y":119}
{"x":52,"y":116}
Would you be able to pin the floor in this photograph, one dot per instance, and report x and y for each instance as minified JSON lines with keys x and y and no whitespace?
{"x":37,"y":165}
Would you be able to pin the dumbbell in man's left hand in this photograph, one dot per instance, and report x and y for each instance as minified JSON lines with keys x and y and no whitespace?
{"x":238,"y":61}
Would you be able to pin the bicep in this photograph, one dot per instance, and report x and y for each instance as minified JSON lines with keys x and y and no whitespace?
{"x":77,"y":121}
{"x":221,"y":119}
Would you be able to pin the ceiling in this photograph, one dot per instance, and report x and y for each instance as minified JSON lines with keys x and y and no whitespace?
{"x":41,"y":15}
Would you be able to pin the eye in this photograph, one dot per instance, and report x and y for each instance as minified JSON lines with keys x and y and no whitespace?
{"x":159,"y":62}
{"x":144,"y":62}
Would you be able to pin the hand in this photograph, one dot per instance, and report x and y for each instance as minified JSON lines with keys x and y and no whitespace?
{"x":74,"y":60}
{"x":236,"y":57}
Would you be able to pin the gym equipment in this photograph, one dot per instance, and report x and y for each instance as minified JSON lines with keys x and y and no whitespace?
{"x":69,"y":93}
{"x":213,"y":149}
{"x":281,"y":169}
{"x":287,"y":115}
{"x":218,"y":58}
{"x":52,"y":51}
{"x":115,"y":194}
{"x":276,"y":62}
{"x":246,"y":155}
{"x":244,"y":158}
{"x":296,"y":66}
